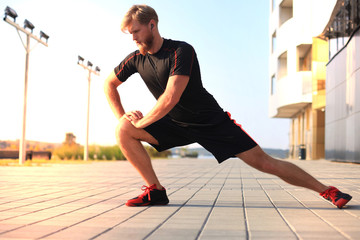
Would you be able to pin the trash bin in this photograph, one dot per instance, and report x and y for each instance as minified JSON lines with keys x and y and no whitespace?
{"x":302,"y":152}
{"x":29,"y":155}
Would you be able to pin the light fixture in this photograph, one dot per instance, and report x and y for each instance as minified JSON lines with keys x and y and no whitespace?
{"x":28,"y":24}
{"x":10,"y":12}
{"x":95,"y":71}
{"x":80,"y":59}
{"x":44,"y":35}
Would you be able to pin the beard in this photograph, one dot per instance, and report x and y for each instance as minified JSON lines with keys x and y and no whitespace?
{"x":145,"y":46}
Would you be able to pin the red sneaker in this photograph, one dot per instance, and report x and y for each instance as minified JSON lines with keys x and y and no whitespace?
{"x":150,"y":196}
{"x":337,"y":198}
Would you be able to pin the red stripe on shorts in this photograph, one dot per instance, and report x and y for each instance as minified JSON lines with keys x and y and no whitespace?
{"x":239,"y":126}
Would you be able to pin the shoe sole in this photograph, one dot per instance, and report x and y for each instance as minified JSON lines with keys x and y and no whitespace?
{"x":146,"y":204}
{"x":137,"y":205}
{"x":341,"y":202}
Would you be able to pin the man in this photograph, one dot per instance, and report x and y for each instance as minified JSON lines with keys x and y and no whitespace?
{"x":184,"y":113}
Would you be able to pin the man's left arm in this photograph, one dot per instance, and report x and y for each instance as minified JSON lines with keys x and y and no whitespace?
{"x":167,"y":101}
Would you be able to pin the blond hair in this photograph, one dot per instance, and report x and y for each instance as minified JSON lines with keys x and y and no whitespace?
{"x":141,"y":13}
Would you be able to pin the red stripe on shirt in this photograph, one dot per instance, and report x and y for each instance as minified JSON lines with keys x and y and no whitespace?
{"x":192,"y":61}
{"x":135,"y":54}
{"x":175,"y":62}
{"x":172,"y":49}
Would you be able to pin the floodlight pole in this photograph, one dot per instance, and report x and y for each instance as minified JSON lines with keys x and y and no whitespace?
{"x":86,"y":146}
{"x":22,"y":147}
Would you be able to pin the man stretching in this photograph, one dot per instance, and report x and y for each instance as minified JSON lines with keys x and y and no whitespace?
{"x":184,"y":113}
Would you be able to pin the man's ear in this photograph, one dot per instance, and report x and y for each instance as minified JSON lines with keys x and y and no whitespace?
{"x":152,"y":24}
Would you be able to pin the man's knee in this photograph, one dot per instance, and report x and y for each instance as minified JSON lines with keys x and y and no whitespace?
{"x":123,"y":130}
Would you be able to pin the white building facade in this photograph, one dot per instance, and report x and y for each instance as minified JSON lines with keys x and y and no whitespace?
{"x":342,"y":125}
{"x":314,"y":76}
{"x":297,"y":72}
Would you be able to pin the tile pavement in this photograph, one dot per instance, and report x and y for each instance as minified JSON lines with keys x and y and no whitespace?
{"x":207,"y":201}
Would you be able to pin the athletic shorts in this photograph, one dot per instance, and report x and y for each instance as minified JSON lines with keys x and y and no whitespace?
{"x":224,"y":140}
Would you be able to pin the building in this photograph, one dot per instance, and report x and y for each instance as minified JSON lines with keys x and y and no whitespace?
{"x":342,"y":125}
{"x":314,"y":76}
{"x":70,"y":139}
{"x":297,"y":72}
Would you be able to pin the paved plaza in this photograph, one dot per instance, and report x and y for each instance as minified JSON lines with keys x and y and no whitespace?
{"x":207,"y":201}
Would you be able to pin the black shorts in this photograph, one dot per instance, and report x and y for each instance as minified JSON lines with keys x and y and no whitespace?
{"x":223,"y":140}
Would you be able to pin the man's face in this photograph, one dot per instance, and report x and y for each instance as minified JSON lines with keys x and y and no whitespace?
{"x":142,"y":36}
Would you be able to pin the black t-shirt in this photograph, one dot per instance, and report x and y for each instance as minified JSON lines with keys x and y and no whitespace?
{"x":196,"y":105}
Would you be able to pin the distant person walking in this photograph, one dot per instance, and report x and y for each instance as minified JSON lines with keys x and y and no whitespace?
{"x":184,"y":113}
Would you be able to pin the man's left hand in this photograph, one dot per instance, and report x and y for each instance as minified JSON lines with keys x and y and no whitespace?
{"x":134,"y":117}
{"x":137,"y":123}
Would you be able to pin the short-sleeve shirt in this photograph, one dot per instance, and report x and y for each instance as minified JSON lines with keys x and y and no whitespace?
{"x":196,"y":106}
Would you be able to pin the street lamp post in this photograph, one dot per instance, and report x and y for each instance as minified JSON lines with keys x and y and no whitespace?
{"x":96,"y":72}
{"x":9,"y":12}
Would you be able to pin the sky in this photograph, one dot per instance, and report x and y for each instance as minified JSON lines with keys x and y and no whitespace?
{"x":230,"y":38}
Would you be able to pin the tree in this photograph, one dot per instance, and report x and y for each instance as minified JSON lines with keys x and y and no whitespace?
{"x":154,"y":153}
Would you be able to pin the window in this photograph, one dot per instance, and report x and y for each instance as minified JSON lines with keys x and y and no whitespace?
{"x":273,"y":84}
{"x":343,"y":25}
{"x":273,"y":43}
{"x":285,"y":11}
{"x":304,"y":57}
{"x":282,"y":65}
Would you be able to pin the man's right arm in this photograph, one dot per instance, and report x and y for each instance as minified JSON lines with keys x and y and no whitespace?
{"x":112,"y":95}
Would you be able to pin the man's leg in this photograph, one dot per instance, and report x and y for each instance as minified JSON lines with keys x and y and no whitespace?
{"x":129,"y":139}
{"x":287,"y":171}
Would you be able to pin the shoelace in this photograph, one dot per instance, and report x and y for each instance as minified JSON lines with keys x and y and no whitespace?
{"x":330,"y":192}
{"x":146,"y":190}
